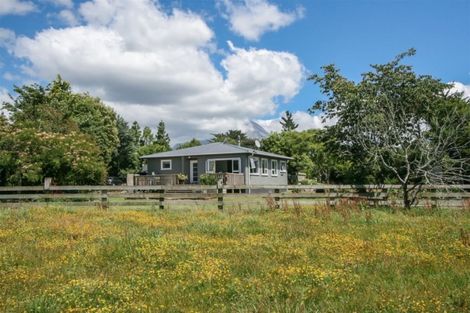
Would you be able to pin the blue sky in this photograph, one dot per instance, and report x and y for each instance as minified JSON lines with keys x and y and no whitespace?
{"x":351,"y":34}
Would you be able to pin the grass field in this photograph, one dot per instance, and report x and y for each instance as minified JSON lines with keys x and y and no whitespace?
{"x":292,"y":260}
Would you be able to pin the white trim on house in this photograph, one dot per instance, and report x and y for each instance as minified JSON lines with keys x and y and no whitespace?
{"x":281,"y":167}
{"x":274,"y":169}
{"x":257,"y":167}
{"x":191,"y":171}
{"x":263,"y":168}
{"x":164,"y":168}
{"x":224,"y":159}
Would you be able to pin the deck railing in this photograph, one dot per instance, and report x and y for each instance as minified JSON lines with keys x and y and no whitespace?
{"x":155,"y":180}
{"x":231,"y":179}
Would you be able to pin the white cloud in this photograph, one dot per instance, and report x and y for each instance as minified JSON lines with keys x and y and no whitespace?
{"x":4,"y":95}
{"x":459,"y":87}
{"x":16,"y":7}
{"x":68,"y":17}
{"x":7,"y":38}
{"x":305,"y":121}
{"x":10,"y":76}
{"x":159,"y":67}
{"x":252,"y":18}
{"x":62,"y":3}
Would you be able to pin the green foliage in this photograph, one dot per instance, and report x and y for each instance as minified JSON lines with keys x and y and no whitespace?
{"x":28,"y":155}
{"x":126,"y":158}
{"x":309,"y":152}
{"x":208,"y":179}
{"x":147,"y":137}
{"x":162,"y":138}
{"x":403,"y":126}
{"x":288,"y":123}
{"x":234,"y":137}
{"x":56,"y":109}
{"x":188,"y":144}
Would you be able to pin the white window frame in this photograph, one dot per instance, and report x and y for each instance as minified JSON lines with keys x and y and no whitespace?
{"x":224,"y":159}
{"x":166,"y":169}
{"x":257,"y":168}
{"x":208,"y":166}
{"x":274,"y":169}
{"x":262,"y":167}
{"x":285,"y":167}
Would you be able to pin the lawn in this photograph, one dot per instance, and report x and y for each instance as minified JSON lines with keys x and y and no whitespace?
{"x":202,"y":260}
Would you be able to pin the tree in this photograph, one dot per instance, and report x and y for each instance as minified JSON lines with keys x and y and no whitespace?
{"x":135,"y":133}
{"x":28,"y":155}
{"x":234,"y":137}
{"x":188,"y":144}
{"x":147,"y":137}
{"x":288,"y":123}
{"x":162,"y":137}
{"x":126,"y":158}
{"x":307,"y":150}
{"x":392,"y":116}
{"x":56,"y":109}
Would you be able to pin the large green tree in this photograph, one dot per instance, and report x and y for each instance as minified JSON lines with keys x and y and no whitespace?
{"x":56,"y":109}
{"x":28,"y":155}
{"x":406,"y":124}
{"x":126,"y":158}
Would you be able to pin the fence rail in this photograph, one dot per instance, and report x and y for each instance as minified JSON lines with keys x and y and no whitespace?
{"x":233,"y":195}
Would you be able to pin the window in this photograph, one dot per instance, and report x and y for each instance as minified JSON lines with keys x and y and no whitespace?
{"x":211,"y":166}
{"x":283,"y":166}
{"x":165,"y":165}
{"x":223,"y":166}
{"x":254,"y":166}
{"x":274,"y":169}
{"x":235,"y":166}
{"x":264,"y":167}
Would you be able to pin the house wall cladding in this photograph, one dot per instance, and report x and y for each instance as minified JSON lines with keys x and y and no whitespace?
{"x":260,"y":179}
{"x":181,"y":165}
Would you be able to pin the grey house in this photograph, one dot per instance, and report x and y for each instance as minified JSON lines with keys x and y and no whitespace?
{"x":236,"y":165}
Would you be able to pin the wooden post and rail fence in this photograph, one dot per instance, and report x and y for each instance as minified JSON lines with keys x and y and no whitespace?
{"x":166,"y":196}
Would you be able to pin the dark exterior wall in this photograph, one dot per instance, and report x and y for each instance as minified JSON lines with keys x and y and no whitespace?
{"x":260,"y":179}
{"x":181,"y":165}
{"x":153,"y":166}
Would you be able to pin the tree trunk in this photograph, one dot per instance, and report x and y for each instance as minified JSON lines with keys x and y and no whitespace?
{"x":406,"y":197}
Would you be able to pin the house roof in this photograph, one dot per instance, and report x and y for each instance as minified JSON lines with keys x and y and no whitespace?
{"x":216,"y":148}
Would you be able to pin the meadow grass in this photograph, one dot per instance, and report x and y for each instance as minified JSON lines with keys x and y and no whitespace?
{"x":300,"y":259}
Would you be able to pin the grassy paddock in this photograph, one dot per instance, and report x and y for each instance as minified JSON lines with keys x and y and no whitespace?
{"x":298,"y":259}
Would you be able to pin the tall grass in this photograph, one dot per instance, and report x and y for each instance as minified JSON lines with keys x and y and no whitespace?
{"x":347,"y":258}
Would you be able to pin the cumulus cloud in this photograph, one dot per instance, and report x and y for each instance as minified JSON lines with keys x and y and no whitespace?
{"x":7,"y":38}
{"x":459,"y":87}
{"x":158,"y":66}
{"x":16,"y":7}
{"x":62,"y":3}
{"x":68,"y":17}
{"x":305,"y":121}
{"x":252,"y":18}
{"x":4,"y":95}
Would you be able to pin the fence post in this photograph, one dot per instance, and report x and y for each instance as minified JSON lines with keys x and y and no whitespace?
{"x":104,"y":199}
{"x":277,"y":198}
{"x":161,"y":199}
{"x":220,"y":196}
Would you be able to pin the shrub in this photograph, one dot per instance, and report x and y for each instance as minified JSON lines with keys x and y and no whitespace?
{"x":208,"y":179}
